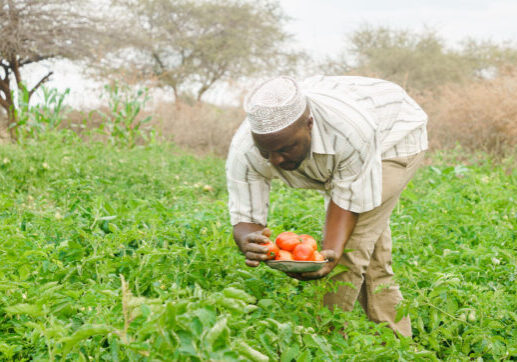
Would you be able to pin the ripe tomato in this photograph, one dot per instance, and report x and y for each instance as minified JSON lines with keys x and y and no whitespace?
{"x":287,"y":240}
{"x":284,"y":255}
{"x":307,"y":239}
{"x":303,"y":252}
{"x":272,"y":251}
{"x":318,"y":256}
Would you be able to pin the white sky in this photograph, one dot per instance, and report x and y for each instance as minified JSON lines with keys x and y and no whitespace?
{"x":320,"y":26}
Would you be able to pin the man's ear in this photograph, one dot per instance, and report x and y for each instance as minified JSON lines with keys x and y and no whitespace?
{"x":310,"y":122}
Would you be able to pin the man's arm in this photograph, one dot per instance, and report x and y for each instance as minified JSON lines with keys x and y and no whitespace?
{"x":339,"y":225}
{"x":248,"y":237}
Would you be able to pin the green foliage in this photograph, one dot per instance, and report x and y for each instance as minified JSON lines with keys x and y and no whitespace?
{"x":418,"y":60}
{"x":459,"y":260}
{"x":122,"y":124}
{"x":192,"y":45}
{"x":412,"y":59}
{"x":124,"y":254}
{"x":33,"y":121}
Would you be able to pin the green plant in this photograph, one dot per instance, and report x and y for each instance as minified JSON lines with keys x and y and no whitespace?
{"x":111,"y":253}
{"x":122,"y":124}
{"x":33,"y":121}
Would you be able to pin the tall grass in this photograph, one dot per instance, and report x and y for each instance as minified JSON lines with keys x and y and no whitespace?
{"x":479,"y":115}
{"x":200,"y":127}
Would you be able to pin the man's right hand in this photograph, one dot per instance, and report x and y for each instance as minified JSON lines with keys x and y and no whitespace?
{"x":249,"y":244}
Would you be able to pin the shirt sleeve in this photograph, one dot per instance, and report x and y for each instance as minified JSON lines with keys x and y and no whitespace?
{"x":248,"y":190}
{"x":357,"y":180}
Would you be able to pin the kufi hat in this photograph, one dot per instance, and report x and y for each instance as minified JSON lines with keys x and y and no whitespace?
{"x":274,"y":104}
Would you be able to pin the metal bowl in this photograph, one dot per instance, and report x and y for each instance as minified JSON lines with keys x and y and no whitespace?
{"x":295,"y":266}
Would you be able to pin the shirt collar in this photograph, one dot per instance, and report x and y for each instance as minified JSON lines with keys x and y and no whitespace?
{"x":321,"y":141}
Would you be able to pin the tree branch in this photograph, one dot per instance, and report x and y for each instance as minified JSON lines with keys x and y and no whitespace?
{"x":16,"y":70}
{"x":159,"y":61}
{"x":36,"y":59}
{"x":43,"y":80}
{"x":4,"y":104}
{"x":6,"y":71}
{"x":4,"y":85}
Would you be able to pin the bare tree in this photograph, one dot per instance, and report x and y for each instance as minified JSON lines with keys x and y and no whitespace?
{"x":198,"y":43}
{"x":33,"y":30}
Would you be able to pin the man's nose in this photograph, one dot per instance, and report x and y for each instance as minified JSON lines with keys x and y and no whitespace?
{"x":276,"y":158}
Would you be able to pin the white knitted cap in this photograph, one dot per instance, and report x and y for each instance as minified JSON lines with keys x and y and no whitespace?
{"x":274,"y":104}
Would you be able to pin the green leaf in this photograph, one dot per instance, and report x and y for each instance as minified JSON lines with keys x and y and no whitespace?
{"x":235,"y":293}
{"x":247,"y":351}
{"x":305,"y":356}
{"x":30,"y":309}
{"x":235,"y":306}
{"x":86,"y":331}
{"x":290,"y":354}
{"x":218,"y":336}
{"x":338,"y":269}
{"x":266,"y":303}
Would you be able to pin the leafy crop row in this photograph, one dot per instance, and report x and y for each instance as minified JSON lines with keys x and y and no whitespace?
{"x":128,"y":255}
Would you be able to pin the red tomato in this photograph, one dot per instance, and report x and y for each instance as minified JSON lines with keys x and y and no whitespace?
{"x":287,"y":240}
{"x":303,"y":252}
{"x":272,"y":251}
{"x":284,"y":255}
{"x":309,"y":240}
{"x":318,"y":256}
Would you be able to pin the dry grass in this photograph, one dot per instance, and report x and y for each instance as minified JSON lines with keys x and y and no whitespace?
{"x":201,"y":128}
{"x":480,"y":116}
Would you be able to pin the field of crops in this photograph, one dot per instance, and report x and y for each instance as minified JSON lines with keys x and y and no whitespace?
{"x":116,"y":254}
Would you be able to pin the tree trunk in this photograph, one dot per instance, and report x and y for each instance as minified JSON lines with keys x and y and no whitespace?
{"x":200,"y":93}
{"x":176,"y":98}
{"x":11,"y":122}
{"x":7,"y":103}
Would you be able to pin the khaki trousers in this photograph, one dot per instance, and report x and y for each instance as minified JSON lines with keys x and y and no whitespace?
{"x":369,"y":265}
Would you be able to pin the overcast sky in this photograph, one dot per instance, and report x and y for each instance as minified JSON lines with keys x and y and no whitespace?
{"x":320,"y":26}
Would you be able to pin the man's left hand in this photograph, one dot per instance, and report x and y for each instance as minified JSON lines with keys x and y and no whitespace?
{"x":329,"y":255}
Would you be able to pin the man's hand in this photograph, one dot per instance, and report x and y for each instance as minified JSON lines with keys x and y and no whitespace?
{"x":251,"y":248}
{"x":328,"y":254}
{"x":339,"y":225}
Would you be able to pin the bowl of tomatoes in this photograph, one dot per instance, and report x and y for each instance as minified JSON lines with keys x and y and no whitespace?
{"x":294,"y":253}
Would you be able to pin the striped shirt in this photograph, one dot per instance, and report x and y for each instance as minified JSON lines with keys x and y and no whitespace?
{"x":358,"y":122}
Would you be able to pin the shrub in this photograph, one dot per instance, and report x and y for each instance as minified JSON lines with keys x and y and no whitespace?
{"x":200,"y":127}
{"x":480,"y":115}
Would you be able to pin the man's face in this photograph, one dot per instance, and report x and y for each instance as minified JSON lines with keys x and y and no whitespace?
{"x":287,"y":148}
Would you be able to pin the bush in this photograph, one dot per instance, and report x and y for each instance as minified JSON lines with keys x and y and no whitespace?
{"x":200,"y":127}
{"x":480,"y":115}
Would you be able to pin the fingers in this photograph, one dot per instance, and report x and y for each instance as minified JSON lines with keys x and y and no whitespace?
{"x":313,"y":275}
{"x":329,"y":254}
{"x":257,"y":238}
{"x":266,"y":232}
{"x":304,"y":276}
{"x":295,"y":276}
{"x":252,"y":263}
{"x":255,"y":256}
{"x":255,"y":248}
{"x":255,"y":253}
